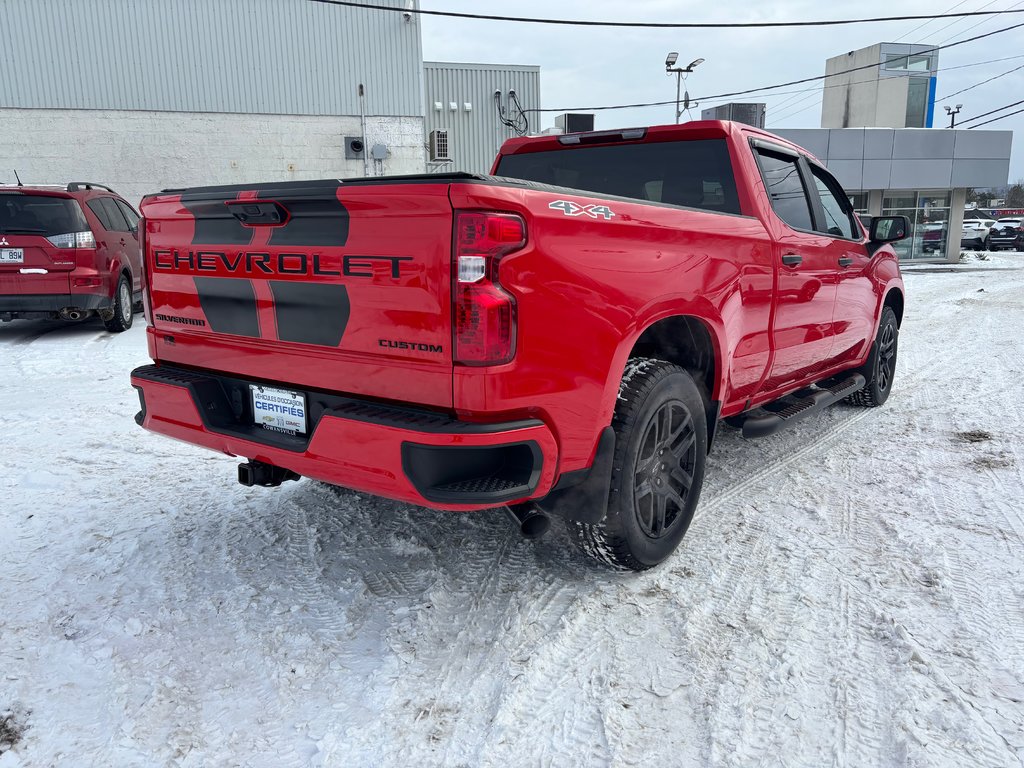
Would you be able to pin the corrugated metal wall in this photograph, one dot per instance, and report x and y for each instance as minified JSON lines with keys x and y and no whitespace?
{"x":247,"y":56}
{"x":474,"y":135}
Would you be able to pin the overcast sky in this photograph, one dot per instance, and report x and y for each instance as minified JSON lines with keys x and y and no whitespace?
{"x":596,"y":66}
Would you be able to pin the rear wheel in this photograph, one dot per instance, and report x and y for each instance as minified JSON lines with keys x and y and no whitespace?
{"x":123,"y":309}
{"x":883,"y":366}
{"x":660,"y":450}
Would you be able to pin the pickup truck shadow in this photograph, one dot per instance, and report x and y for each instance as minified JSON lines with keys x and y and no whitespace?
{"x":28,"y":331}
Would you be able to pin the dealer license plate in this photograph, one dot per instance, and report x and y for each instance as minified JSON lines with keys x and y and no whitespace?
{"x":279,"y":410}
{"x":12,"y":256}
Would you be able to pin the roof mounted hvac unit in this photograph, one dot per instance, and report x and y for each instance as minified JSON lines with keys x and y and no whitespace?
{"x":439,"y":147}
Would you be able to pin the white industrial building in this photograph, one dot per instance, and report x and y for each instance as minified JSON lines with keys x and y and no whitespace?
{"x":147,"y":95}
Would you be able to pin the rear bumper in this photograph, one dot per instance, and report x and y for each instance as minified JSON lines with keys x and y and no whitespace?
{"x":1014,"y":243}
{"x":410,"y":455}
{"x":31,"y":304}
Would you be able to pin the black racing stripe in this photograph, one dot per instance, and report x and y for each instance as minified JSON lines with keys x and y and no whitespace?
{"x":229,"y":304}
{"x":215,"y":224}
{"x":310,"y":313}
{"x":321,"y":220}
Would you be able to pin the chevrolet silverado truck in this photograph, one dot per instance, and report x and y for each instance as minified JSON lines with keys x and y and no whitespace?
{"x":562,"y":337}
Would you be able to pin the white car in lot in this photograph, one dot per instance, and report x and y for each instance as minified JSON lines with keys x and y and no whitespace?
{"x":976,"y":233}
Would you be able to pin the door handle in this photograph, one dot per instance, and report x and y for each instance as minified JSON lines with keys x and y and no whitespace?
{"x":845,"y":261}
{"x":792,"y":259}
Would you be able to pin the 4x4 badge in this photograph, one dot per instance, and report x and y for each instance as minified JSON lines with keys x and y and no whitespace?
{"x":569,"y":208}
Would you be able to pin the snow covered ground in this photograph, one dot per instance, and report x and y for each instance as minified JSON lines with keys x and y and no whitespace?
{"x":850,"y":594}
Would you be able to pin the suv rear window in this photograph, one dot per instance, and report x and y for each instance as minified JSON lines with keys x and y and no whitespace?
{"x":22,"y":214}
{"x":696,"y":173}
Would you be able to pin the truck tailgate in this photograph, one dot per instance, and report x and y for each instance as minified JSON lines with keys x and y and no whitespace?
{"x":337,"y":286}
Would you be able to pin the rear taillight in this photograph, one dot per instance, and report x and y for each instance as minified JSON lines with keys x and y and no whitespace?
{"x":73,"y":240}
{"x":484,"y":314}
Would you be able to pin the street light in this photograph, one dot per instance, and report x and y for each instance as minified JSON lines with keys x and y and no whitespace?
{"x":670,"y":67}
{"x":952,"y":114}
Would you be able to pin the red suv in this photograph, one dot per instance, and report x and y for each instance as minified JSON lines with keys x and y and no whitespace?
{"x":69,"y":253}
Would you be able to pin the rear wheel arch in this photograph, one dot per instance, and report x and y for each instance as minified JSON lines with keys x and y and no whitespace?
{"x":686,"y":341}
{"x":691,"y":343}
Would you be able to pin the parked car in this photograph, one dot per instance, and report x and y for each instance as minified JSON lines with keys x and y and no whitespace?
{"x":463,"y":341}
{"x":933,"y":237}
{"x":69,"y":252}
{"x":976,"y":234}
{"x":1007,"y":234}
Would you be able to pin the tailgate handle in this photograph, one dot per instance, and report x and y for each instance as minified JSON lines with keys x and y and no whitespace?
{"x":259,"y":213}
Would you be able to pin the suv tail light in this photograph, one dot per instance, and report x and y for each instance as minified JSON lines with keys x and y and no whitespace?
{"x":73,"y":240}
{"x":485,"y":315}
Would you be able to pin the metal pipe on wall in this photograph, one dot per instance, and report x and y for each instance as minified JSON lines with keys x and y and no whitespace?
{"x":362,"y":128}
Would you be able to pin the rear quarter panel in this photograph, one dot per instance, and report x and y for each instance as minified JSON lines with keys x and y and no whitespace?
{"x":586,"y":288}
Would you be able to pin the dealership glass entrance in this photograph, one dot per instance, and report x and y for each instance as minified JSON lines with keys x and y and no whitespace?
{"x":928,"y":214}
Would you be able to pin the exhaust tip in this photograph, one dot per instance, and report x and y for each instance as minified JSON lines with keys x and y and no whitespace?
{"x":535,"y":526}
{"x":532,"y":521}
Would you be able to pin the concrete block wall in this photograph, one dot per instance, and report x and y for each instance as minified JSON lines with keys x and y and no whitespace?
{"x":136,"y":153}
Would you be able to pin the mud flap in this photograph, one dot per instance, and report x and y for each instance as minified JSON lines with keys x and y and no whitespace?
{"x":584,"y":498}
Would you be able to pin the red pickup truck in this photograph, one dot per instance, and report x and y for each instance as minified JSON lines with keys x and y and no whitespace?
{"x":562,"y":337}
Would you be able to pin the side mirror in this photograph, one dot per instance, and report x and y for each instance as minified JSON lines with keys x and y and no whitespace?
{"x":888,"y":229}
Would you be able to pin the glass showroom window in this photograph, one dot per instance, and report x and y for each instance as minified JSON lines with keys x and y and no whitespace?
{"x":859,"y":201}
{"x":928,"y":214}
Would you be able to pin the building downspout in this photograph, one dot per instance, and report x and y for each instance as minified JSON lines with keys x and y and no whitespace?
{"x":362,"y":128}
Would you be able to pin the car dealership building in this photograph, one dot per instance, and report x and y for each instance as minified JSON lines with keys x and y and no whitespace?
{"x":876,"y":136}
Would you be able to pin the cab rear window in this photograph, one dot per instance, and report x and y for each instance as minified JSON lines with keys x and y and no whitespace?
{"x":697,"y":173}
{"x":22,"y":214}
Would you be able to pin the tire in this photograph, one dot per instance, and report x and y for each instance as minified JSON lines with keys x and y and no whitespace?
{"x":882,"y":364}
{"x":986,"y":244}
{"x":123,"y":309}
{"x":661,"y":444}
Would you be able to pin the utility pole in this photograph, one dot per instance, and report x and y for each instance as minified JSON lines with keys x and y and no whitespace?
{"x":670,"y":67}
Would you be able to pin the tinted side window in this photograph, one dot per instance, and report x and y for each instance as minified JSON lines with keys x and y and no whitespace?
{"x":100,"y":212}
{"x":129,"y":213}
{"x":837,"y":215}
{"x":114,"y":215}
{"x":696,"y":173}
{"x":781,"y":176}
{"x":96,"y":205}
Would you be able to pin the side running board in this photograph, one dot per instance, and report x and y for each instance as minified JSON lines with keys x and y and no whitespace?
{"x":772,"y":417}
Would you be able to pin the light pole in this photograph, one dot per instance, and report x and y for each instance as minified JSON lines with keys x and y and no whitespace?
{"x":670,"y":67}
{"x":952,"y":114}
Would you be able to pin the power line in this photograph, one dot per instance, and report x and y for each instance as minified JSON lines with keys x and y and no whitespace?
{"x":1011,"y":114}
{"x":863,"y":67}
{"x":971,"y":87}
{"x":925,"y":24}
{"x":817,"y":89}
{"x":990,"y":112}
{"x":986,"y":21}
{"x":769,"y":87}
{"x":789,"y":114}
{"x":655,"y":24}
{"x":957,"y":21}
